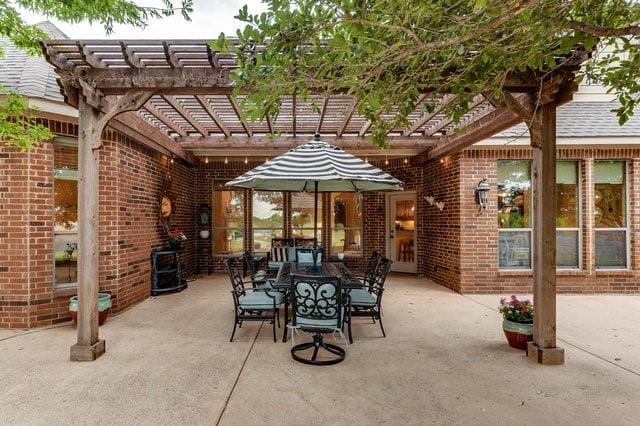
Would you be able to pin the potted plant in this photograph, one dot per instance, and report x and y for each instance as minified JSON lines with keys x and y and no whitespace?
{"x":104,"y":307}
{"x":518,"y":321}
{"x":175,"y":237}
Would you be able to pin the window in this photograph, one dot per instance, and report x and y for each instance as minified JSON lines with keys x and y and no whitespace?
{"x":610,"y":221}
{"x":346,"y":223}
{"x":514,"y":214}
{"x":266,"y":219}
{"x":567,"y":215}
{"x":302,"y":208}
{"x":228,"y":222}
{"x":65,"y":213}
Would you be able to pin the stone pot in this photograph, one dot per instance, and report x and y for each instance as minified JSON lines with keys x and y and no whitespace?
{"x":104,"y":307}
{"x":518,"y":334}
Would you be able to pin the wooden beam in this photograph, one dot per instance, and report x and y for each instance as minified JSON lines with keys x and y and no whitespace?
{"x":442,"y":104}
{"x":347,"y":116}
{"x":543,"y":141}
{"x":323,"y":111}
{"x":153,"y":110}
{"x":88,"y":346}
{"x":448,"y":120}
{"x":236,"y":109}
{"x":254,"y":142}
{"x":204,"y":103}
{"x":364,"y":129}
{"x":186,"y":115}
{"x":170,"y":56}
{"x":269,"y":124}
{"x":492,"y":123}
{"x":293,"y":113}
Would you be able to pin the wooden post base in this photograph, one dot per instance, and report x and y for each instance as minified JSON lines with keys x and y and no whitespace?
{"x":87,"y":353}
{"x":545,"y":356}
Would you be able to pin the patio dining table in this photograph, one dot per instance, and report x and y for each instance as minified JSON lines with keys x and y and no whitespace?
{"x":348,"y":280}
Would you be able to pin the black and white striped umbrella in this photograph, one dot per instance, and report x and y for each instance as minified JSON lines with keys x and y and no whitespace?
{"x":317,"y":166}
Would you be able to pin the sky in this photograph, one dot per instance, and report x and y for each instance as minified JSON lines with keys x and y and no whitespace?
{"x":208,"y":20}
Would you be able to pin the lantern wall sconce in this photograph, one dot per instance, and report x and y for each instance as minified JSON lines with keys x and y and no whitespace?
{"x":482,"y":193}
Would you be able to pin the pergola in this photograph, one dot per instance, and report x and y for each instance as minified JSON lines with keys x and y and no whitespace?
{"x":176,"y":95}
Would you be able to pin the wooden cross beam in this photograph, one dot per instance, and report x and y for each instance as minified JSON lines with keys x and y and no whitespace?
{"x":347,"y":117}
{"x":204,"y":103}
{"x":323,"y":111}
{"x":186,"y":115}
{"x":236,"y":109}
{"x":167,"y":121}
{"x":440,"y":106}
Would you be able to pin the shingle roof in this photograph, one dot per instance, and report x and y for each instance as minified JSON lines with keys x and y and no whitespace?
{"x":29,"y":75}
{"x":587,"y":119}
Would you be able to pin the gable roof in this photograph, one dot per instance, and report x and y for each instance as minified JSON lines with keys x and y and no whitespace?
{"x":29,"y":75}
{"x":586,"y":119}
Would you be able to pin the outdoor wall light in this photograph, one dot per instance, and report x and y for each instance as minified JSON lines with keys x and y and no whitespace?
{"x":482,"y":193}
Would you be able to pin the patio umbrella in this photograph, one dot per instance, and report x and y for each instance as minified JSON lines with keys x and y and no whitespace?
{"x":317,"y":167}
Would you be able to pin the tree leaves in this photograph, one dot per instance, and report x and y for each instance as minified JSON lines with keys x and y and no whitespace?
{"x":385,"y":53}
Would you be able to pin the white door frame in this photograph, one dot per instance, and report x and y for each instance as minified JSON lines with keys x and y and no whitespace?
{"x":390,"y":232}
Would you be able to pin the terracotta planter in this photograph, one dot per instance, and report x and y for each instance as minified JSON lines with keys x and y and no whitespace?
{"x":518,"y":334}
{"x":104,"y":307}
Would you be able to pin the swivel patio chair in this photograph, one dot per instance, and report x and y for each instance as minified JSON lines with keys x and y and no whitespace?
{"x":252,"y":304}
{"x":317,"y":309}
{"x":367,"y":302}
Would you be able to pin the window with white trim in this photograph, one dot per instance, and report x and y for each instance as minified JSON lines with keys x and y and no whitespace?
{"x":611,"y":220}
{"x":302,"y":214}
{"x":568,"y":236}
{"x":267,"y":219}
{"x":514,"y":214}
{"x":346,"y":223}
{"x":65,"y":212}
{"x":228,"y":221}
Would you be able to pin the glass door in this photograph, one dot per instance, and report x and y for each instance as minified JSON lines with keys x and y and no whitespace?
{"x":401,"y":235}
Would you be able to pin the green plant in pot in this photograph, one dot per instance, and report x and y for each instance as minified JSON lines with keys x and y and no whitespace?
{"x":518,"y":321}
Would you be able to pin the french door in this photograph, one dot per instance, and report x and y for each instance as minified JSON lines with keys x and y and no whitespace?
{"x":401,"y":231}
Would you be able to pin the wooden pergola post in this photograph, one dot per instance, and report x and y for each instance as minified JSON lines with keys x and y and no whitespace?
{"x":89,"y":346}
{"x":543,"y":349}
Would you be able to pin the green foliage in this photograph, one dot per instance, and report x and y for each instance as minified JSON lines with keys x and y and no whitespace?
{"x":388,"y":52}
{"x":18,"y":126}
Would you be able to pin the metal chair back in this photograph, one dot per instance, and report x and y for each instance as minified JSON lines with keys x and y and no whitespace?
{"x":317,"y":300}
{"x":372,"y":266}
{"x":379,"y":278}
{"x":235,"y":276}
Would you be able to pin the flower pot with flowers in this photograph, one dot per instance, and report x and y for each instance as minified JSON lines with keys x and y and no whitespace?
{"x":175,"y":237}
{"x":518,"y":321}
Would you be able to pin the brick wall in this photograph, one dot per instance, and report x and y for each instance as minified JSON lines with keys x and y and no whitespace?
{"x":479,"y":239}
{"x":131,"y":180}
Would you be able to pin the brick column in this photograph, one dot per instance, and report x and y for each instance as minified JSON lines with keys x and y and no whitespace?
{"x":634,"y":212}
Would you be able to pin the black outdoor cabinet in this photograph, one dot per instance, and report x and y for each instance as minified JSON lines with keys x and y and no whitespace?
{"x":166,"y":271}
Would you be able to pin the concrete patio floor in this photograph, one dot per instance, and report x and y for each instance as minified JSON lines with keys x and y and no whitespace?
{"x":445,"y":360}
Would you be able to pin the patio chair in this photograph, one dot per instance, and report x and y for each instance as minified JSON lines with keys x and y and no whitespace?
{"x":252,"y":304}
{"x":317,"y":309}
{"x":304,"y":255}
{"x":369,"y":273}
{"x":367,"y":302}
{"x":258,"y":276}
{"x":282,"y":250}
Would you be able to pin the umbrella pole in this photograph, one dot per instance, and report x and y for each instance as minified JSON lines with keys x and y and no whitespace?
{"x":315,"y":215}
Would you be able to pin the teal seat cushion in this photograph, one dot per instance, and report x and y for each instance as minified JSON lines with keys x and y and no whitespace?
{"x":260,"y":276}
{"x":260,"y":300}
{"x":268,"y":284}
{"x":291,"y":254}
{"x":361,"y":297}
{"x":317,"y":323}
{"x":306,"y":258}
{"x":274,"y":265}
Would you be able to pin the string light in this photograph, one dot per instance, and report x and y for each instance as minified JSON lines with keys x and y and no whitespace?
{"x":171,"y":160}
{"x":246,"y":160}
{"x":386,"y":161}
{"x":366,"y":160}
{"x":266,"y":160}
{"x":406,"y":160}
{"x":442,"y":161}
{"x":226,"y":160}
{"x":206,"y":160}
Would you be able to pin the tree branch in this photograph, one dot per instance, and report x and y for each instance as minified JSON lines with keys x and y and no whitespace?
{"x":604,"y":31}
